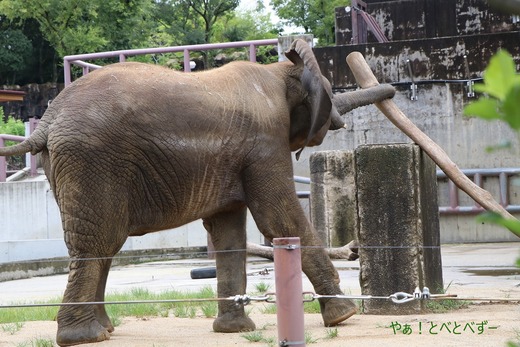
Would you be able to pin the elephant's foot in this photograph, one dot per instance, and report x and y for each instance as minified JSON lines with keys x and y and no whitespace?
{"x":105,"y":322}
{"x":233,"y":323}
{"x":81,"y":333}
{"x":335,"y":311}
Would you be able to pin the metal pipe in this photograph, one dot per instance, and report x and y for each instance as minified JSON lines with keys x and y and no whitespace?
{"x":454,"y":195}
{"x":33,"y":123}
{"x":187,"y":67}
{"x":504,"y":193}
{"x":289,"y":291}
{"x":252,"y":53}
{"x":3,"y":163}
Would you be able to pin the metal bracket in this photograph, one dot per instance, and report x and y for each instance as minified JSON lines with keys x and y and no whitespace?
{"x":469,"y":83}
{"x":413,"y":87}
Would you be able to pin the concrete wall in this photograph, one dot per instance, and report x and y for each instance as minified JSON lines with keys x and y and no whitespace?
{"x":437,"y":112}
{"x":30,"y":226}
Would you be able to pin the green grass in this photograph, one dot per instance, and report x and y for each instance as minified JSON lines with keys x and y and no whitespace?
{"x":37,"y":342}
{"x":331,"y":333}
{"x":262,"y":287}
{"x":116,"y":312}
{"x":12,"y":328}
{"x":442,"y":306}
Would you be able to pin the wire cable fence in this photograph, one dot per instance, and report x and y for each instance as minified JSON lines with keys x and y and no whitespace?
{"x":245,"y":299}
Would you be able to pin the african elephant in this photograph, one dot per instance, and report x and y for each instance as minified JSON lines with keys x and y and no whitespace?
{"x":135,"y":148}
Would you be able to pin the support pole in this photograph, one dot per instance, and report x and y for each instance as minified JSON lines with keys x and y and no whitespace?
{"x":366,"y":79}
{"x":289,"y":291}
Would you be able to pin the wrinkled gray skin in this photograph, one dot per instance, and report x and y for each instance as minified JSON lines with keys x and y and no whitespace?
{"x":133,"y":148}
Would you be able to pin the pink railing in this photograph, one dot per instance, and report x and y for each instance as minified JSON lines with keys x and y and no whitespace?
{"x":77,"y":60}
{"x":33,"y":122}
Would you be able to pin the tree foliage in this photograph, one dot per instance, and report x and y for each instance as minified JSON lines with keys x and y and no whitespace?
{"x":79,"y":26}
{"x":57,"y":28}
{"x":314,"y":16}
{"x":15,"y":52}
{"x":500,"y":101}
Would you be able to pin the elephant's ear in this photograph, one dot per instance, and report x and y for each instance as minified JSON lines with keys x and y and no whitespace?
{"x":319,"y":99}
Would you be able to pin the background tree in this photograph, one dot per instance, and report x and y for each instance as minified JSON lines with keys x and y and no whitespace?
{"x":15,"y":52}
{"x":316,"y":17}
{"x":79,"y":26}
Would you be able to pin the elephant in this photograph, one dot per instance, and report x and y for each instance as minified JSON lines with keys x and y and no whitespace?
{"x":135,"y":148}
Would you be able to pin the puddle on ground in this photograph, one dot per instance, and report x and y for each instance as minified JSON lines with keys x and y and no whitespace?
{"x":494,"y":272}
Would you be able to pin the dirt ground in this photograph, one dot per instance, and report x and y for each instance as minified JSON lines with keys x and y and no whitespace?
{"x":476,"y":325}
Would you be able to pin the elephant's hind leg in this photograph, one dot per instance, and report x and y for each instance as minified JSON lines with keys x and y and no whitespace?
{"x":77,"y":323}
{"x":99,"y":310}
{"x":91,"y":251}
{"x":228,"y":234}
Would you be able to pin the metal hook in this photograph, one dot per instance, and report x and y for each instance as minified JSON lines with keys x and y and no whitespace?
{"x":413,"y":87}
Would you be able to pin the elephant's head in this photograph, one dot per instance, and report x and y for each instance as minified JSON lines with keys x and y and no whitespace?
{"x":310,"y":119}
{"x":320,"y":110}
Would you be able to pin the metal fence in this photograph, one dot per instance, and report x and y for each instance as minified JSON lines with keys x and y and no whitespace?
{"x":78,"y":60}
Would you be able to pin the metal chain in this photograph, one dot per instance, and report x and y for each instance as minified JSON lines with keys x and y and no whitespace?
{"x":397,"y":298}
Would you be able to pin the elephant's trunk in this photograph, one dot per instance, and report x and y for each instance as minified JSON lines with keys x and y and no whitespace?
{"x":336,"y":121}
{"x":346,"y":102}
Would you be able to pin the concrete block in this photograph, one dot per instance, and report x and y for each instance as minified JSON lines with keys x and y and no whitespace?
{"x":333,"y":197}
{"x":398,"y":225}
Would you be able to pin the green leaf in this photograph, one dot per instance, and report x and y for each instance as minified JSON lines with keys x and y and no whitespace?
{"x":510,"y":107}
{"x":512,"y":225}
{"x":499,"y":76}
{"x":484,"y":108}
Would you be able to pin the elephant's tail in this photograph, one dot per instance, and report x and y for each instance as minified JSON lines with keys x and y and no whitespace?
{"x":34,"y":144}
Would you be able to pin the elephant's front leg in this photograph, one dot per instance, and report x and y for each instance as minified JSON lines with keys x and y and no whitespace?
{"x":272,"y":199}
{"x":228,"y":234}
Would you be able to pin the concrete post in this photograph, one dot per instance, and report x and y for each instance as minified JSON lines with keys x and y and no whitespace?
{"x":398,"y":224}
{"x":333,"y":197}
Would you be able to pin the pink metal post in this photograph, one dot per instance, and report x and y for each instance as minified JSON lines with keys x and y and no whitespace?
{"x":33,"y":123}
{"x":289,"y":293}
{"x":3,"y":163}
{"x":252,"y":53}
{"x":187,"y":67}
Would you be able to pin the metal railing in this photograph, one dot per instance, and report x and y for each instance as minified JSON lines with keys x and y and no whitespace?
{"x":478,"y":175}
{"x":30,"y":159}
{"x":77,"y":60}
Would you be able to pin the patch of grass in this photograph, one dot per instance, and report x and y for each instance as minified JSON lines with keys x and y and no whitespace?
{"x":116,"y":312}
{"x":262,"y":287}
{"x":516,"y":341}
{"x":331,"y":333}
{"x":269,"y":309}
{"x":258,"y":336}
{"x":12,"y":328}
{"x":209,"y":309}
{"x":311,"y":307}
{"x":37,"y":342}
{"x":309,"y":339}
{"x":442,"y":306}
{"x":253,"y":336}
{"x":25,"y":314}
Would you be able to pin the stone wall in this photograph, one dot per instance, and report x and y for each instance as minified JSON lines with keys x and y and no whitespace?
{"x":419,"y":19}
{"x":35,"y":100}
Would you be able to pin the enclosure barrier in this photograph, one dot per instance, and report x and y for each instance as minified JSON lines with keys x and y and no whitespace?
{"x":288,"y":297}
{"x":77,"y":60}
{"x":504,"y":181}
{"x":30,"y":159}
